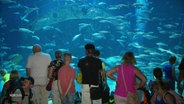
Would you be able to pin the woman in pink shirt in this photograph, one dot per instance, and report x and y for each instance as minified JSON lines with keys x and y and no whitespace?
{"x":66,"y":76}
{"x":128,"y":71}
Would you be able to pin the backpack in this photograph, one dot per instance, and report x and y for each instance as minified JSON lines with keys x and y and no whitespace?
{"x":12,"y":86}
{"x":147,"y":96}
{"x":79,"y":78}
{"x":106,"y":93}
{"x":181,"y":66}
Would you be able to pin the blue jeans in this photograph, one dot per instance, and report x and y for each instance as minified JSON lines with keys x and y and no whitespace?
{"x":69,"y":99}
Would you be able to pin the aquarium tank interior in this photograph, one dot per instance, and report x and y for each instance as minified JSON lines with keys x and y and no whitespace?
{"x":152,"y":29}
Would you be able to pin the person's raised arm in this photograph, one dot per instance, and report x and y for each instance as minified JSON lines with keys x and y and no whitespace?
{"x":111,"y":72}
{"x":141,"y":76}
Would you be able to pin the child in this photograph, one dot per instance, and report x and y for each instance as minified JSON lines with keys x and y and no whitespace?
{"x":26,"y":95}
{"x":66,"y":76}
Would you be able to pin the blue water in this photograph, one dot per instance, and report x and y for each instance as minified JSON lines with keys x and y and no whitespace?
{"x":153,"y":30}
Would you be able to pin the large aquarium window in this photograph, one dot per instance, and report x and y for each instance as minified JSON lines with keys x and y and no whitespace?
{"x":152,"y":29}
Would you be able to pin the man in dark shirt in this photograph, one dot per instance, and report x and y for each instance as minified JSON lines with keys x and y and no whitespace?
{"x":90,"y":68}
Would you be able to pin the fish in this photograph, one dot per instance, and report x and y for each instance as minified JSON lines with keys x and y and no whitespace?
{"x":161,"y":44}
{"x":35,"y":37}
{"x":5,"y":48}
{"x":52,"y":44}
{"x":76,"y":36}
{"x":175,"y":35}
{"x":25,"y":30}
{"x":63,"y":50}
{"x":88,"y":40}
{"x":121,"y":42}
{"x":44,"y":19}
{"x":149,"y":36}
{"x":52,"y":28}
{"x":135,"y":44}
{"x":58,"y":30}
{"x":84,"y":26}
{"x":138,"y":4}
{"x":13,"y":56}
{"x":47,"y":27}
{"x":104,"y":32}
{"x":25,"y":47}
{"x":167,"y":51}
{"x":7,"y":1}
{"x":141,"y":56}
{"x":169,"y":26}
{"x":101,"y":3}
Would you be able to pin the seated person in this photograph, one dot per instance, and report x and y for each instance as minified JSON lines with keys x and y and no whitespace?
{"x":161,"y":94}
{"x":14,"y":77}
{"x":157,"y":73}
{"x":27,"y":95}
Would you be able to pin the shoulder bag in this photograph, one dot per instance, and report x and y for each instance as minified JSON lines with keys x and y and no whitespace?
{"x":49,"y":84}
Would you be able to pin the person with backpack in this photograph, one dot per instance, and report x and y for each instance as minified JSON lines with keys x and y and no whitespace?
{"x":103,"y":81}
{"x":25,"y":94}
{"x":14,"y":77}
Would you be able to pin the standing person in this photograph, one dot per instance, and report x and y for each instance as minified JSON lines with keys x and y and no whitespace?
{"x":181,"y":77}
{"x":66,"y":76}
{"x":169,"y":71}
{"x":90,"y":68}
{"x":37,"y":67}
{"x":130,"y":72}
{"x":105,"y":87}
{"x":97,"y":55}
{"x":54,"y":66}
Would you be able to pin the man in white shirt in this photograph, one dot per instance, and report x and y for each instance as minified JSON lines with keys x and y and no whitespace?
{"x":37,"y":67}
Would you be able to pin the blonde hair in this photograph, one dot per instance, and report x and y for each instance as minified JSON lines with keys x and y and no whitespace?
{"x":14,"y":74}
{"x":129,"y":58}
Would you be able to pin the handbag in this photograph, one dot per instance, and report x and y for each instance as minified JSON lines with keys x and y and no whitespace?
{"x":131,"y":97}
{"x":95,"y":93}
{"x":49,"y":85}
